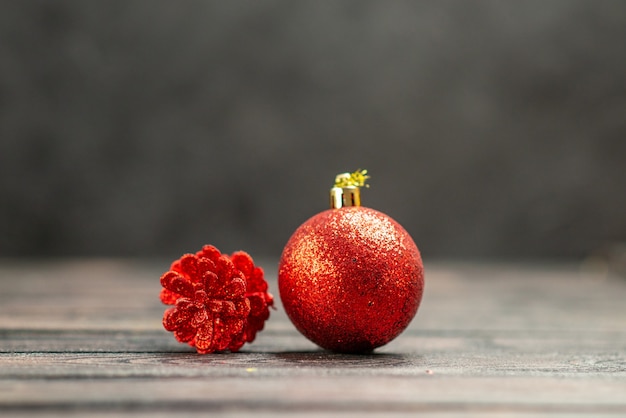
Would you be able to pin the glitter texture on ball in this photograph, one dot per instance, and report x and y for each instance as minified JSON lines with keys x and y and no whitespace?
{"x":351,"y":279}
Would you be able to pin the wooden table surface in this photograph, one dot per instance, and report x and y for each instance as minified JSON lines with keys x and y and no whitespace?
{"x":84,"y":338}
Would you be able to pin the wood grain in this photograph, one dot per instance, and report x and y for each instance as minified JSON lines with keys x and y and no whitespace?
{"x":84,"y":338}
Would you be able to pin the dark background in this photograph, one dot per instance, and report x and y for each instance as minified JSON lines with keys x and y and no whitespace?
{"x":491,"y":129}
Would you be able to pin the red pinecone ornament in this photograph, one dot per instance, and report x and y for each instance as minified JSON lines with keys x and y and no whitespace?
{"x":220,"y":302}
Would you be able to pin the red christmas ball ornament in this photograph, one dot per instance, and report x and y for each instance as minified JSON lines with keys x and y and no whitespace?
{"x":350,"y":278}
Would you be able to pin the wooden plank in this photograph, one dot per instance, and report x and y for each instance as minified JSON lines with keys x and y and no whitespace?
{"x":471,"y":363}
{"x":324,"y":391}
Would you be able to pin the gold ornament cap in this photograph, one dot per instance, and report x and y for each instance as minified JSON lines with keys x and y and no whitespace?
{"x":347,"y":189}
